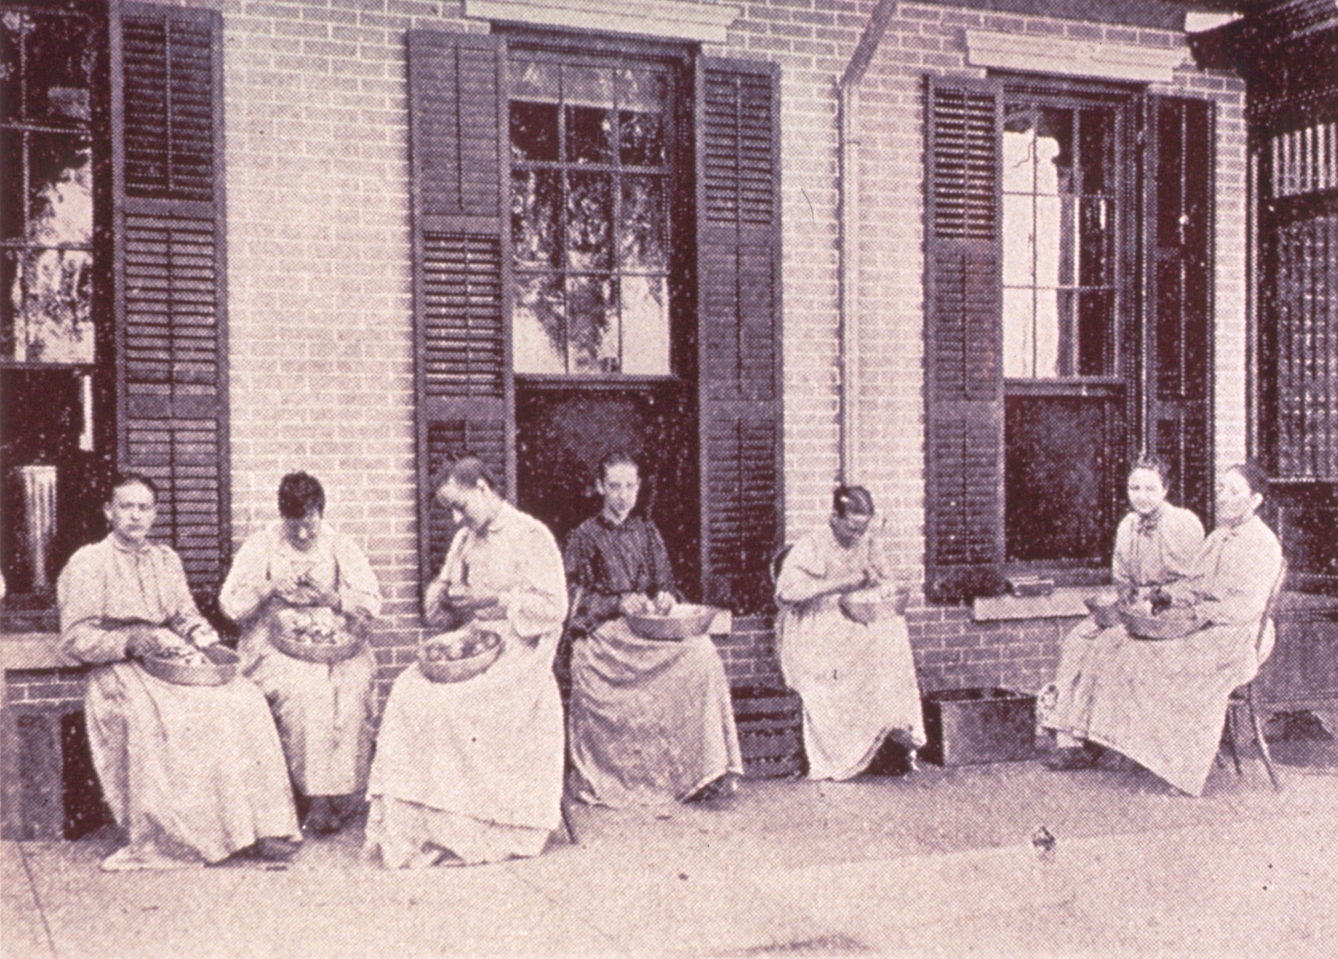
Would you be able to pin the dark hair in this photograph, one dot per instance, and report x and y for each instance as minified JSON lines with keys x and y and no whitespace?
{"x":466,"y":471}
{"x":120,"y":480}
{"x":852,"y":499}
{"x":299,"y":494}
{"x":1153,"y":462}
{"x":618,"y":458}
{"x":1254,"y":475}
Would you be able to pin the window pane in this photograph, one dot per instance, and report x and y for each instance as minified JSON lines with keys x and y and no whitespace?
{"x":536,"y":80}
{"x":47,"y":315}
{"x":536,"y":207}
{"x":13,"y":202}
{"x":1019,"y":154}
{"x":592,"y":325}
{"x":589,"y":221}
{"x":1096,"y":333}
{"x":1054,"y":151}
{"x":642,"y":138}
{"x":642,"y":237}
{"x":1018,"y":240}
{"x":645,"y":313}
{"x":589,"y":135}
{"x":587,"y":86}
{"x":1019,"y":322}
{"x":60,"y":189}
{"x":1096,"y":145}
{"x":1047,"y":332}
{"x":641,"y":90}
{"x":61,"y":55}
{"x":1096,"y":243}
{"x":539,"y":325}
{"x":1050,"y":234}
{"x":534,"y":131}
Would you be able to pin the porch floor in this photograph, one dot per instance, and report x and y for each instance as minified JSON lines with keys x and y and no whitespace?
{"x":942,"y":863}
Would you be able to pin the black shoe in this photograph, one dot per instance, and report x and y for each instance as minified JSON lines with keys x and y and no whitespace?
{"x":276,"y":849}
{"x":322,"y":818}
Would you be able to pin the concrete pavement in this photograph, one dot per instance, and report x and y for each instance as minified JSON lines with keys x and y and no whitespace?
{"x":941,"y":864}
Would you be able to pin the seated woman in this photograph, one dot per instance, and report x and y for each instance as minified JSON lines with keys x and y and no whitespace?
{"x":650,"y":721}
{"x":1155,"y":545}
{"x":473,"y":769}
{"x":192,"y":773}
{"x":1162,"y":703}
{"x":302,"y":573}
{"x":856,"y":680}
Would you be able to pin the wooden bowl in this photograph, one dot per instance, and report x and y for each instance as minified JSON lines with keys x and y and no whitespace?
{"x":1170,"y":624}
{"x":686,"y":619}
{"x":220,"y":669}
{"x":869,"y":605}
{"x":1104,"y":609}
{"x":442,"y":669}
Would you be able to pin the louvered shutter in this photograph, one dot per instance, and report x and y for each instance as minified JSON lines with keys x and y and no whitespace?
{"x":169,"y":276}
{"x":1178,"y":165}
{"x":465,"y":391}
{"x":739,"y":327}
{"x":963,"y":362}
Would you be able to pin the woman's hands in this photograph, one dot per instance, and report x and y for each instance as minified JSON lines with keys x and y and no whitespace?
{"x":302,"y":590}
{"x":145,"y":641}
{"x":639,"y":604}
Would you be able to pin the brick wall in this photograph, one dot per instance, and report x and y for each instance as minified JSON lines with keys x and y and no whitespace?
{"x":951,"y":649}
{"x":319,"y":283}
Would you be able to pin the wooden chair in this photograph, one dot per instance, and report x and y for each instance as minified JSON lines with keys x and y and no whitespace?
{"x":1244,"y":696}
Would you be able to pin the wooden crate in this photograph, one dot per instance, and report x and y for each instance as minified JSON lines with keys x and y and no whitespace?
{"x":770,"y":723}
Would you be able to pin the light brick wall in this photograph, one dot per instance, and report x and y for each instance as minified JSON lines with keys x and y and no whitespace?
{"x":319,"y":273}
{"x":951,"y":649}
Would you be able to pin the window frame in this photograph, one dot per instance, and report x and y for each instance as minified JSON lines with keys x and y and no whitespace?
{"x":966,"y":394}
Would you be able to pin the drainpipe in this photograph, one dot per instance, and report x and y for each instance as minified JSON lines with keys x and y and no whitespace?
{"x":847,"y":327}
{"x":848,"y":311}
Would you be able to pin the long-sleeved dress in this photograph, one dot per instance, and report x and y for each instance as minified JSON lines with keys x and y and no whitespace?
{"x":475,"y":767}
{"x":1149,"y":552}
{"x":1162,"y":702}
{"x":191,"y":772}
{"x":857,"y":682}
{"x":325,"y":713}
{"x":650,"y":721}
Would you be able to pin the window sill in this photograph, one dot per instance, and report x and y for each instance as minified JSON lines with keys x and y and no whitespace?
{"x":1063,"y":603}
{"x":32,"y":651}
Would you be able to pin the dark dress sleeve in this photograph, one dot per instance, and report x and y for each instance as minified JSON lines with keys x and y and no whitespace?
{"x":598,"y":603}
{"x":661,"y":571}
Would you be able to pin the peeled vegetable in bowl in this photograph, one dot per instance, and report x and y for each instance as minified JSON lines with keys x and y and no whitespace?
{"x":459,"y":655}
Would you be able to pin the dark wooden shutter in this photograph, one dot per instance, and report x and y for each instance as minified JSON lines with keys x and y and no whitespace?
{"x":1178,"y":164}
{"x":171,"y":306}
{"x":739,"y":327}
{"x":963,"y":360}
{"x":459,"y":164}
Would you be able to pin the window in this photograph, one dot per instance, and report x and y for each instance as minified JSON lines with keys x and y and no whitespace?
{"x":564,"y":267}
{"x":55,"y":315}
{"x":591,"y":145}
{"x":1068,"y":287}
{"x":112,"y":347}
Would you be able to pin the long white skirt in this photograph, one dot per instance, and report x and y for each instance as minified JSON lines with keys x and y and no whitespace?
{"x":193,"y":773}
{"x":857,"y":684}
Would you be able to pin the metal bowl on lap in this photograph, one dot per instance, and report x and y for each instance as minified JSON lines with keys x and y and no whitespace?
{"x":459,"y":655}
{"x":211,"y":666}
{"x":870,"y":604}
{"x":1170,"y":624}
{"x":684,"y":620}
